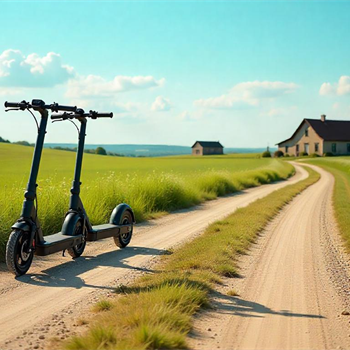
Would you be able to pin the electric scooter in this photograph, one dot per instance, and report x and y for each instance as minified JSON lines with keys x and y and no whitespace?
{"x":27,"y":238}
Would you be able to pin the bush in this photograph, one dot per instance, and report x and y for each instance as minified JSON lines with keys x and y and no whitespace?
{"x":266,"y":154}
{"x":287,"y":155}
{"x":302,"y":154}
{"x":313,"y":155}
{"x":101,"y":151}
{"x":328,"y":154}
{"x":278,"y":154}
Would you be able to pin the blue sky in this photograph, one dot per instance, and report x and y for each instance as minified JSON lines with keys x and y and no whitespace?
{"x":245,"y":73}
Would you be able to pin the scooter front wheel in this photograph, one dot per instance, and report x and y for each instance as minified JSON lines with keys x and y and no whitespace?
{"x":18,"y":259}
{"x":123,"y":239}
{"x":78,"y":249}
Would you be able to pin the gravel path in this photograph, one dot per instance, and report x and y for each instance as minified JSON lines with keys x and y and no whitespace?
{"x":294,"y":291}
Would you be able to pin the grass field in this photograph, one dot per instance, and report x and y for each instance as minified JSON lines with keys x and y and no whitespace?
{"x":340,"y":168}
{"x":150,"y":185}
{"x":155,"y":312}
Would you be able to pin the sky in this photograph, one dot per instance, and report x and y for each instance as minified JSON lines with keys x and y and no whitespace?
{"x":242,"y":72}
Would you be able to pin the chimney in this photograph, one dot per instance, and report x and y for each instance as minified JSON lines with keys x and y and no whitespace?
{"x":323,"y":117}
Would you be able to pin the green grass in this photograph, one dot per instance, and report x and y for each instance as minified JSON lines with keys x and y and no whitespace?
{"x":156,"y":311}
{"x":340,"y":168}
{"x":150,"y":185}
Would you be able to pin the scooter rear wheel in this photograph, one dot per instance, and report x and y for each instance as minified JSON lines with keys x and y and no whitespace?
{"x":123,"y":239}
{"x":18,"y":260}
{"x":78,"y":249}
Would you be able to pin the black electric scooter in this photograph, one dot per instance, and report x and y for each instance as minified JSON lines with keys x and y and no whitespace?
{"x":27,"y":237}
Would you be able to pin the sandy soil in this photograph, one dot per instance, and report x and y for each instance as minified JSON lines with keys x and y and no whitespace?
{"x":294,"y":288}
{"x":57,"y":290}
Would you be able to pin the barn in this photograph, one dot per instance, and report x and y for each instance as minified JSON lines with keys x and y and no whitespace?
{"x":204,"y":148}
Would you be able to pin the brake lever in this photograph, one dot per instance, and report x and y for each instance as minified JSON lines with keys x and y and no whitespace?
{"x":13,"y":109}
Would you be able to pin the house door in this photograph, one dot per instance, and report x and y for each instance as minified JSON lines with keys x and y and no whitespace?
{"x":306,"y":148}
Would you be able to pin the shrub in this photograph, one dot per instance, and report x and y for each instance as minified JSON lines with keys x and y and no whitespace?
{"x":302,"y":154}
{"x":287,"y":155}
{"x":328,"y":154}
{"x":313,"y":155}
{"x":266,"y":154}
{"x":278,"y":154}
{"x":101,"y":151}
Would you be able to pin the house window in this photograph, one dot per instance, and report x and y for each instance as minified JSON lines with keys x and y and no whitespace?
{"x":334,"y":147}
{"x":306,"y":148}
{"x":306,"y":132}
{"x":348,"y":147}
{"x":197,"y":151}
{"x":316,"y":147}
{"x":286,"y":149}
{"x":297,"y":148}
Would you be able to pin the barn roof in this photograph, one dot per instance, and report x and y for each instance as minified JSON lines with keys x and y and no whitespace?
{"x":329,"y":130}
{"x":211,"y":144}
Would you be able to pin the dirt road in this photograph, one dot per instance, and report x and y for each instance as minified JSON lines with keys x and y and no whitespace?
{"x":57,"y":289}
{"x":294,"y":286}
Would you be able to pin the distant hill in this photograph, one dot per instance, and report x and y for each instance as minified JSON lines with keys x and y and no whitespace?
{"x":151,"y":150}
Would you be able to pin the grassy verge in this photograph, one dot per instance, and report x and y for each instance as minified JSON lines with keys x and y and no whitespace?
{"x":155,"y":312}
{"x":148,"y":193}
{"x":340,"y":168}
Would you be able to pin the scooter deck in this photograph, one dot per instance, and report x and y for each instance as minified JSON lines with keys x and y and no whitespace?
{"x":57,"y":242}
{"x":106,"y":230}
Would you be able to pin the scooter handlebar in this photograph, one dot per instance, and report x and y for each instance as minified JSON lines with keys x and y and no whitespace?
{"x":40,"y":104}
{"x":91,"y":114}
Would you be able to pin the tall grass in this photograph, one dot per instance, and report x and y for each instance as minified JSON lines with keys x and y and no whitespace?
{"x":147,"y":191}
{"x":340,"y":168}
{"x":155,"y":312}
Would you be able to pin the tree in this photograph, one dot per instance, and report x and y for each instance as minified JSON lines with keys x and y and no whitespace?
{"x":266,"y":154}
{"x":3,"y":140}
{"x":101,"y":151}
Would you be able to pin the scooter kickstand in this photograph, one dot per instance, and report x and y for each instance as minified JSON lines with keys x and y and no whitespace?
{"x":63,"y":252}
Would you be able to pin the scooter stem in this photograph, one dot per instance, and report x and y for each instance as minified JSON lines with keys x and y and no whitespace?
{"x":75,"y":190}
{"x":30,"y":193}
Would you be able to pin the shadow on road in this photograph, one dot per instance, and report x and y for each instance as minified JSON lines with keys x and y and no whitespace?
{"x":67,"y":274}
{"x":244,"y":308}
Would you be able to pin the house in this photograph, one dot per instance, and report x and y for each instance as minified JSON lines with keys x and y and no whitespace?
{"x":318,"y":136}
{"x":203,"y":148}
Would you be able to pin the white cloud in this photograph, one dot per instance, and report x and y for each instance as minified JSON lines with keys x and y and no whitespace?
{"x":225,"y":102}
{"x":96,"y":86}
{"x":247,"y":94}
{"x":18,"y":70}
{"x":161,"y":104}
{"x":9,"y":92}
{"x":278,"y":112}
{"x":184,"y":116}
{"x":327,"y":89}
{"x":119,"y":107}
{"x":342,"y":87}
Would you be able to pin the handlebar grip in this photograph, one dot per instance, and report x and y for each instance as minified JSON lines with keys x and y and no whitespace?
{"x":56,"y":107}
{"x":104,"y":115}
{"x":22,"y":104}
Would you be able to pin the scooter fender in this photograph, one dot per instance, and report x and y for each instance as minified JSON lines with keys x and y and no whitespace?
{"x":22,"y":225}
{"x":118,"y":212}
{"x":69,"y":224}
